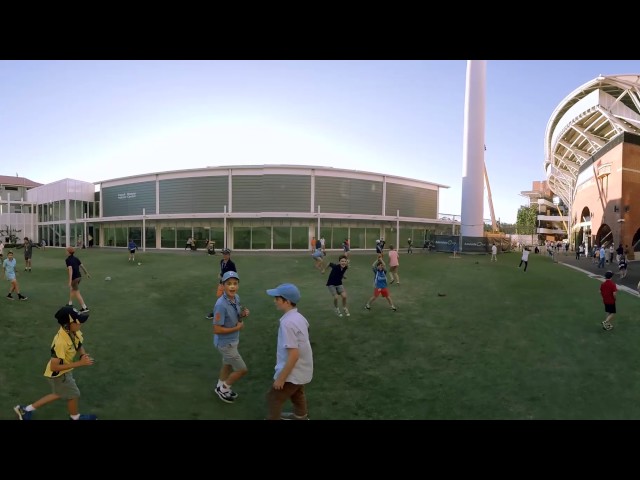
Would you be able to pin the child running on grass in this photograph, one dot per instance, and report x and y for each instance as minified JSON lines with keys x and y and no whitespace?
{"x":334,"y":284}
{"x":380,"y":284}
{"x":67,"y":343}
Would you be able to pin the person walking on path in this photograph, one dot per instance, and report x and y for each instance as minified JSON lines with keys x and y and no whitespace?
{"x":67,"y":343}
{"x":73,"y":268}
{"x":622,"y":266}
{"x":602,"y":256}
{"x":9,"y":267}
{"x":608,"y":290}
{"x":294,"y":357}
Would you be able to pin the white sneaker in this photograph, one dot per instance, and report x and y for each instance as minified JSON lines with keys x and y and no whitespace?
{"x":346,"y":312}
{"x":293,"y":416}
{"x":338,"y":312}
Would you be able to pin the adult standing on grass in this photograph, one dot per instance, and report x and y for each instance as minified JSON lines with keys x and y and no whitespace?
{"x":67,"y":343}
{"x":409,"y":245}
{"x":294,"y":357}
{"x":9,"y":266}
{"x":335,"y":286}
{"x":132,"y":250}
{"x":608,"y":290}
{"x":226,"y":265}
{"x":494,"y":253}
{"x":525,"y":258}
{"x":227,"y":323}
{"x":394,"y":264}
{"x":73,"y":268}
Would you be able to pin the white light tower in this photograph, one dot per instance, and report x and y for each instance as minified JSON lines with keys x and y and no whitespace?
{"x":473,"y":150}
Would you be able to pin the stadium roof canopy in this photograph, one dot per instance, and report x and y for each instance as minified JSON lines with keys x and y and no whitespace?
{"x":584,"y":122}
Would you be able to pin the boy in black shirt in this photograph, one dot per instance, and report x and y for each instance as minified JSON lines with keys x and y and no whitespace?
{"x":334,"y":284}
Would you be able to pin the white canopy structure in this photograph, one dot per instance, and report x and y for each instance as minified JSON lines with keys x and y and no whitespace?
{"x":584,"y":123}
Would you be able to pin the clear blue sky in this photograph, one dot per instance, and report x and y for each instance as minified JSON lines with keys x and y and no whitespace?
{"x":97,"y":120}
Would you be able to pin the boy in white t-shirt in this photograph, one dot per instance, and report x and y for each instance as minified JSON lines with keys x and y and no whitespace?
{"x":525,"y":258}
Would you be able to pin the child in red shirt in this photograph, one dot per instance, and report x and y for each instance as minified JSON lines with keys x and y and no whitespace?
{"x":608,"y":290}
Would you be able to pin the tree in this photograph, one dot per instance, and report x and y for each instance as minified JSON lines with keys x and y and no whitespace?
{"x":526,"y":219}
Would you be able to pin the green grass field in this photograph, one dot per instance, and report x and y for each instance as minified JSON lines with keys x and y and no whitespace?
{"x":502,"y":344}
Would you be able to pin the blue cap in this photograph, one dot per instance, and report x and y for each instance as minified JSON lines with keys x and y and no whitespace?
{"x":228,"y":275}
{"x":287,"y":291}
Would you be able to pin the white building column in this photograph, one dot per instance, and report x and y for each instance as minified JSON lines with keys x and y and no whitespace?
{"x":472,"y":222}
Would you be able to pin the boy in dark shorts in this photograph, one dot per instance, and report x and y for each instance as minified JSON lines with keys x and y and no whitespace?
{"x":608,"y":290}
{"x":74,"y":265}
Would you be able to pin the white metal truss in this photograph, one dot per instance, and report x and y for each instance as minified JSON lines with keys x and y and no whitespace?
{"x":583,"y":123}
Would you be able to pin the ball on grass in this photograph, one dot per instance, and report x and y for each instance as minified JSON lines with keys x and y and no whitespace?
{"x":139,"y":263}
{"x":107,"y":278}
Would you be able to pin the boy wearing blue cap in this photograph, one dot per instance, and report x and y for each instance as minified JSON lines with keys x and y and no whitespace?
{"x":294,"y":357}
{"x":227,"y":323}
{"x":65,"y":346}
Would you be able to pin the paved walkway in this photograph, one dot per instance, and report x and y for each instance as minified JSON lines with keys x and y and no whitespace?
{"x":585,"y":265}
